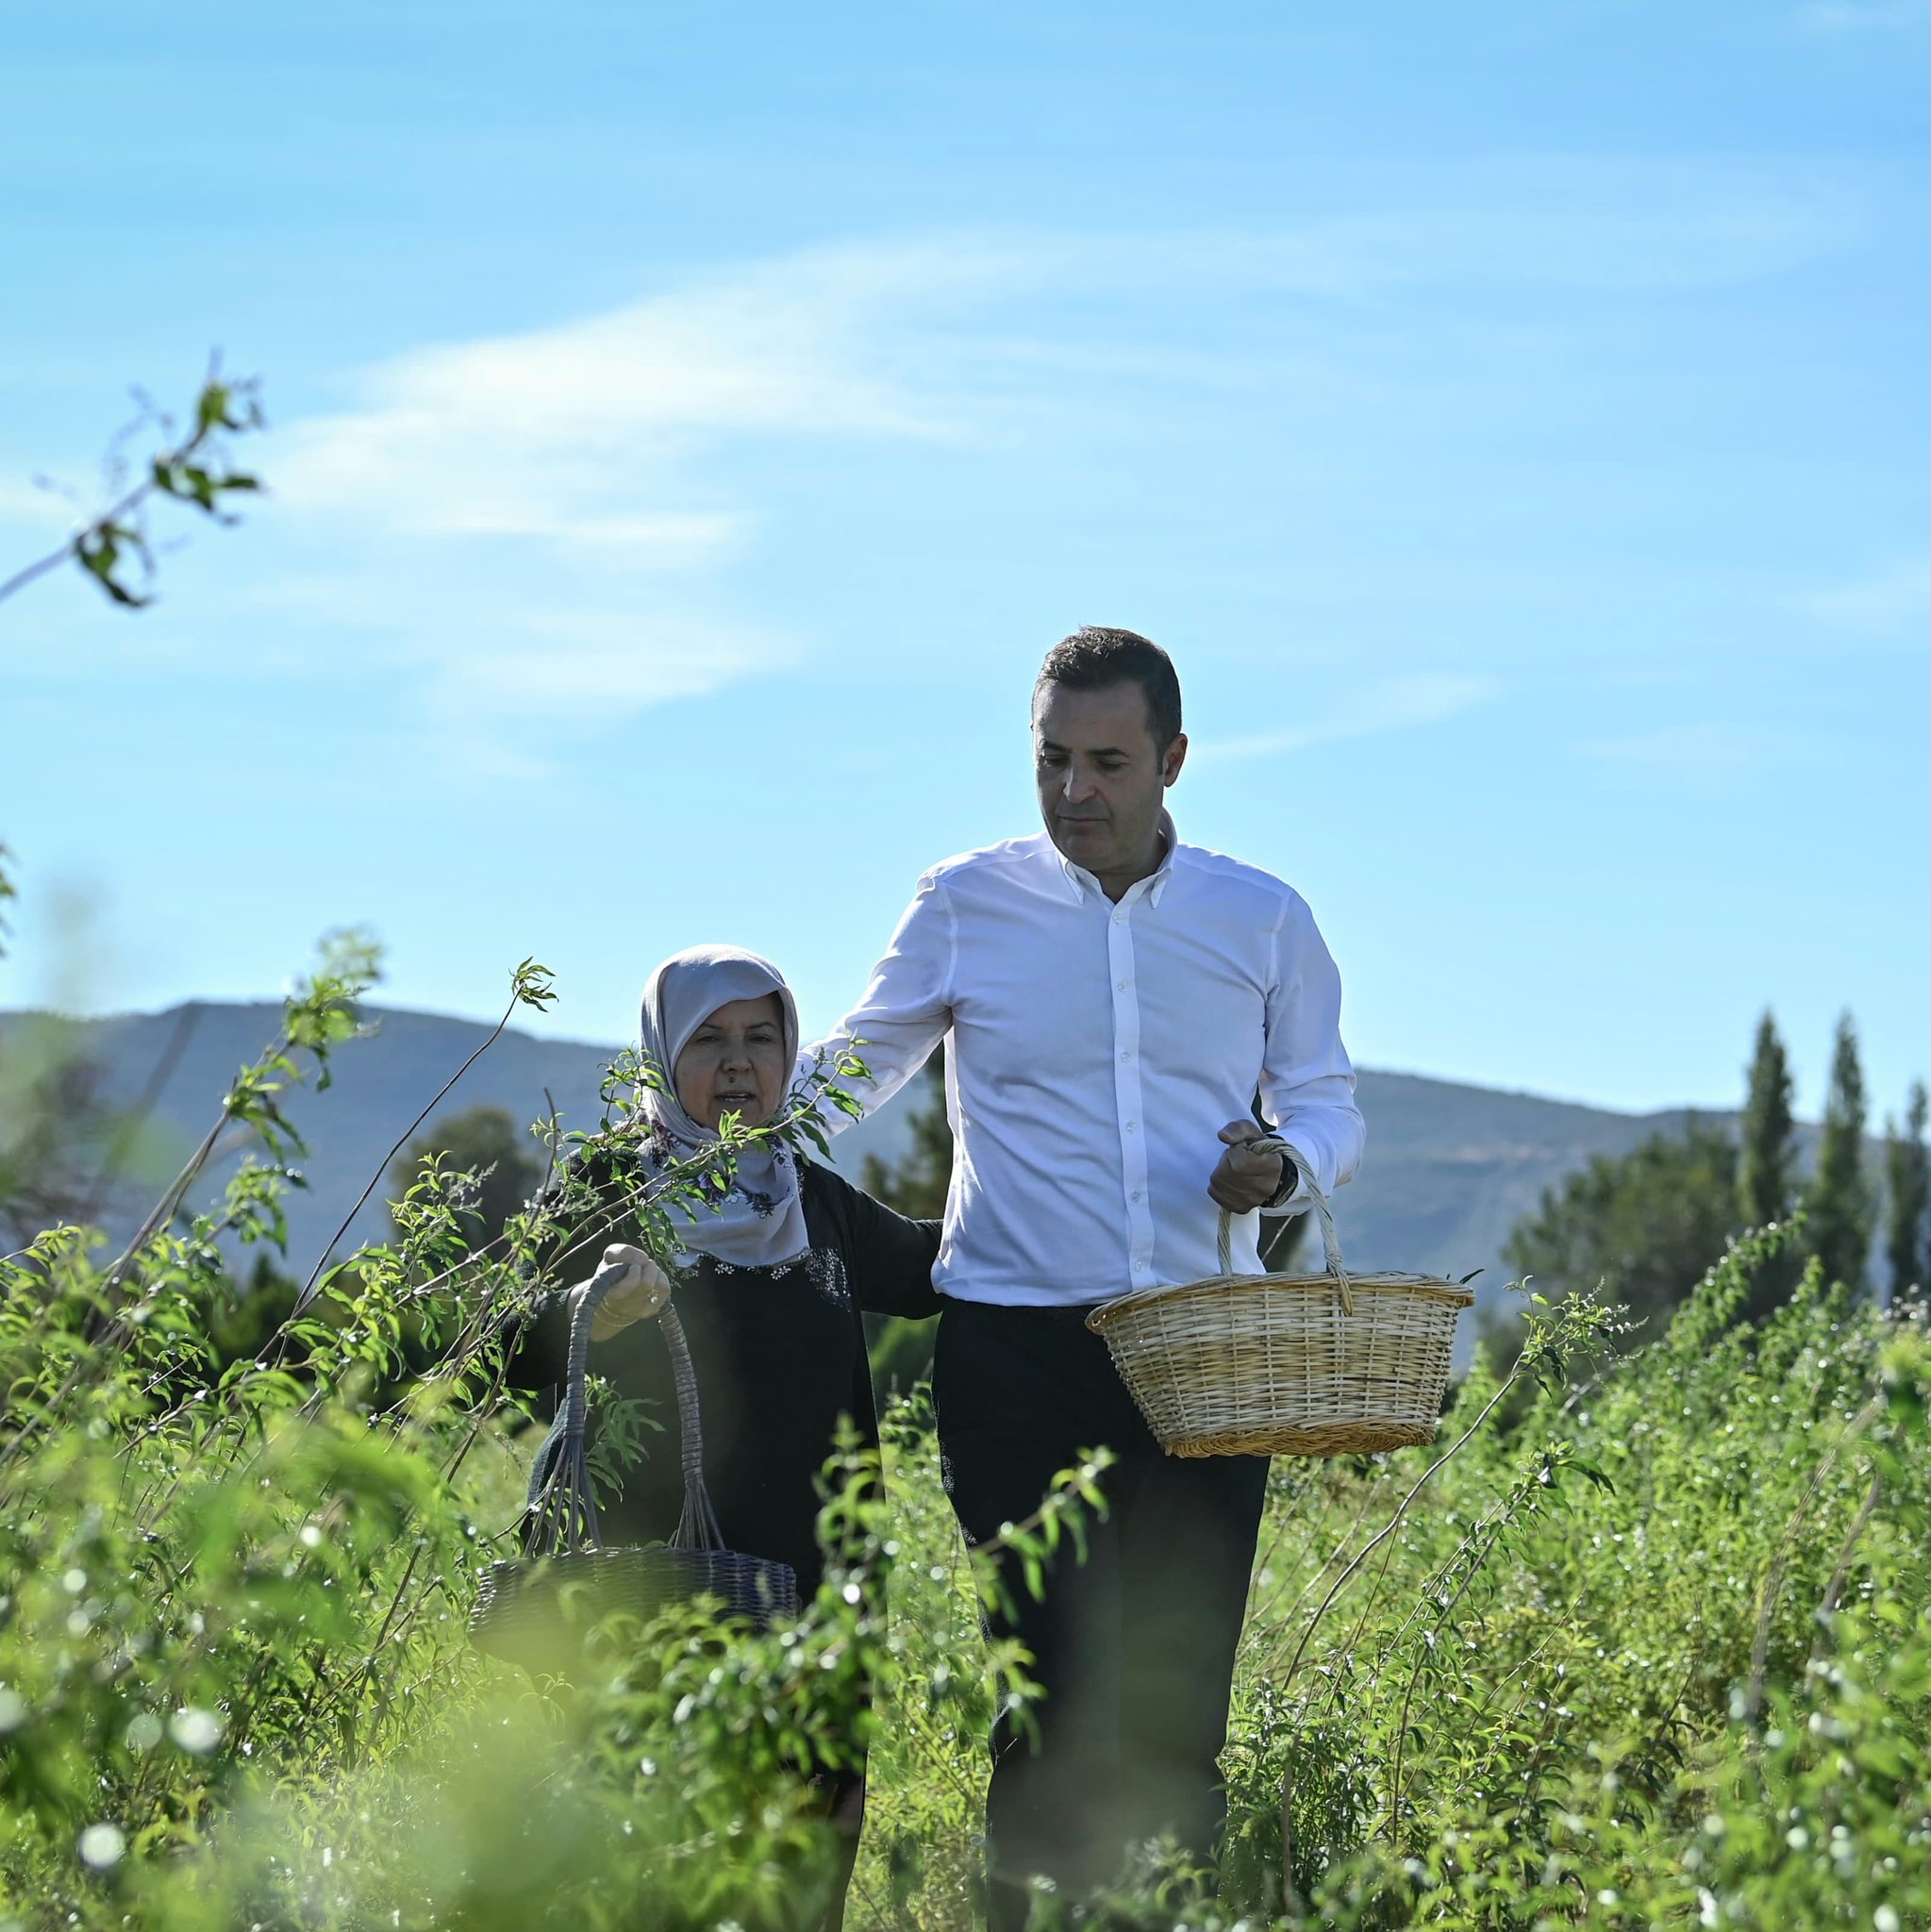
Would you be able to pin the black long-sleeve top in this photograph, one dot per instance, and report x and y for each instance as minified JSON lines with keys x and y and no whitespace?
{"x":779,"y":1355}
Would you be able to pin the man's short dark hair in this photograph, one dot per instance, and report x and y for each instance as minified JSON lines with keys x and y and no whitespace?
{"x":1095,"y":656}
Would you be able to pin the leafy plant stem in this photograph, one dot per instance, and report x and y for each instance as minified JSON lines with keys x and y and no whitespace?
{"x":308,"y":1292}
{"x":1395,"y":1522}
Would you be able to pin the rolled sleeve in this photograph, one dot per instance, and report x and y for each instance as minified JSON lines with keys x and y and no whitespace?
{"x":1307,"y":1081}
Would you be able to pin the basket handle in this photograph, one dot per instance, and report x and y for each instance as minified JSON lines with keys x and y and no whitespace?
{"x":697,"y":1523}
{"x":1323,"y":1214}
{"x":564,"y":1508}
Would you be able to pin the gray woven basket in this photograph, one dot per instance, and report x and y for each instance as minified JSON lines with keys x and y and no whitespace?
{"x":537,"y":1609}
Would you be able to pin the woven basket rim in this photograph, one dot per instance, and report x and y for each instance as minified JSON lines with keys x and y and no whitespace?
{"x":1427,"y":1287}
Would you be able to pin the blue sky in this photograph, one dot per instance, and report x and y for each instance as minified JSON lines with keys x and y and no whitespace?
{"x":689,"y":425}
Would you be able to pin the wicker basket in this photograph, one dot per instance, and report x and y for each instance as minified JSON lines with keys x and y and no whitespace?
{"x":538,"y":1612}
{"x":537,"y":1609}
{"x":1330,"y":1364}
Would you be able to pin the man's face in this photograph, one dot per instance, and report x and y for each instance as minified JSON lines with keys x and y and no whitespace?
{"x":1102,"y":779}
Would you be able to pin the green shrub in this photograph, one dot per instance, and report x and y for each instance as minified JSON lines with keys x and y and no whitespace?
{"x":1644,"y":1640}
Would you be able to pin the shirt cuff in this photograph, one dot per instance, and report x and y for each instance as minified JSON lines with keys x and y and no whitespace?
{"x":1293,"y":1196}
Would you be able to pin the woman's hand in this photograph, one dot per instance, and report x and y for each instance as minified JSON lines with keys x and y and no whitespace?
{"x":1249,"y":1175}
{"x":644,"y":1289}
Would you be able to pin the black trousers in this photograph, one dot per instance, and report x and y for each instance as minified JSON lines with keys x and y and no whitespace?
{"x":842,"y":1794}
{"x":1133,"y":1648}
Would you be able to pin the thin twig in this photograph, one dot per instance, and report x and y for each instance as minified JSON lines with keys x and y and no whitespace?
{"x":308,"y":1293}
{"x":1290,"y":1897}
{"x":1448,"y":1609}
{"x":54,"y":560}
{"x":163,"y":1212}
{"x":176,"y":1193}
{"x":1392,"y":1523}
{"x":1860,"y":1522}
{"x":1267,"y":1611}
{"x":124,"y":1134}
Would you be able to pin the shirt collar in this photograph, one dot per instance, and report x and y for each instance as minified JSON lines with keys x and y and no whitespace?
{"x":1085,"y":884}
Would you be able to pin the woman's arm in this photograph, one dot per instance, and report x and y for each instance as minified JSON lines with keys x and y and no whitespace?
{"x":887,"y":1257}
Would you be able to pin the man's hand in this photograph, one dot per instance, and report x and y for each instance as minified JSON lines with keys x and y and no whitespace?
{"x":1248,"y":1175}
{"x":644,"y":1289}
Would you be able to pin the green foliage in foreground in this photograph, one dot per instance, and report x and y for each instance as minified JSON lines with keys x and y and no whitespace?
{"x":486,"y":1143}
{"x":1642,"y":1641}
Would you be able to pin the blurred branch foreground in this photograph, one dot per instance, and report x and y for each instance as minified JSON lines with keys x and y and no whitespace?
{"x":112,"y":546}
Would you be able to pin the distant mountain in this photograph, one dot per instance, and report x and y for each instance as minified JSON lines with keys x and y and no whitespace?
{"x":1449,"y":1169}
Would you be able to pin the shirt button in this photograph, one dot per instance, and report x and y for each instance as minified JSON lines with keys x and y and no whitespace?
{"x":1131,"y":1125}
{"x":1123,"y":986}
{"x":1136,"y":1194}
{"x":1128,"y":1054}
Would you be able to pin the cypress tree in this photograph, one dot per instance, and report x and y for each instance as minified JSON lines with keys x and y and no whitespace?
{"x":1840,"y":1195}
{"x":1907,"y":1198}
{"x":1765,"y":1166}
{"x":1642,"y":1226}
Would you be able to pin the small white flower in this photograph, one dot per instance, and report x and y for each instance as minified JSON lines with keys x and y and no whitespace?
{"x":1885,"y":1919}
{"x":195,"y":1731}
{"x":102,"y":1845}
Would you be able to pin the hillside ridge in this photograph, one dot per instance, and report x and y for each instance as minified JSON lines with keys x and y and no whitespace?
{"x":1450,"y":1166}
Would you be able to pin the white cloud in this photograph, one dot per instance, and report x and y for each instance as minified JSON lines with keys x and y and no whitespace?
{"x":1576,"y":227}
{"x":544,"y":525}
{"x":37,"y":508}
{"x":529,"y":519}
{"x":1708,"y":752}
{"x":1864,"y":16}
{"x":1888,"y":601}
{"x":586,"y":431}
{"x":1389,"y":704}
{"x":585,"y":428}
{"x":585,"y":664}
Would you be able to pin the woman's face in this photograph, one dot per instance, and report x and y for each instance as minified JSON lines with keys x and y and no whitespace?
{"x":735,"y":1063}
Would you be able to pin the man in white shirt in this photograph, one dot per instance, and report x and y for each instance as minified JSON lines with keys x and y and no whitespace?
{"x":1114,"y":1001}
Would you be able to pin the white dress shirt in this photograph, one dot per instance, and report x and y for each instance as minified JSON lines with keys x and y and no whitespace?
{"x":1096,"y":1051}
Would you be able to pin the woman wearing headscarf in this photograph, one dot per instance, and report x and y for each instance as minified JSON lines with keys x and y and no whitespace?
{"x":779,"y":1264}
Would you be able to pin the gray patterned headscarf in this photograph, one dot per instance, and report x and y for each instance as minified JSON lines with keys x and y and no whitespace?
{"x":760,"y":1222}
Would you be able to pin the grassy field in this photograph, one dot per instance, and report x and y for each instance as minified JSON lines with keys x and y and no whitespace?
{"x":1644,"y":1640}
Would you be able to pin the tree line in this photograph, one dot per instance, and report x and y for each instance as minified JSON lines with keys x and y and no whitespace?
{"x":1644,"y":1225}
